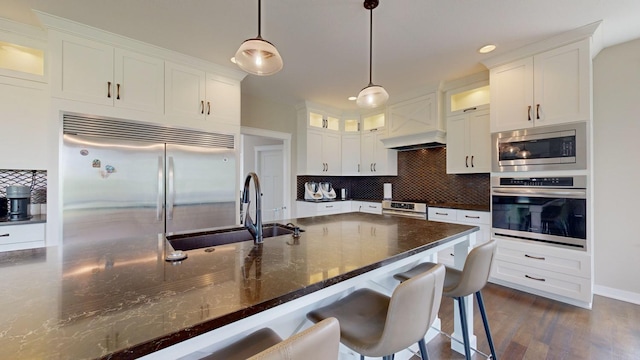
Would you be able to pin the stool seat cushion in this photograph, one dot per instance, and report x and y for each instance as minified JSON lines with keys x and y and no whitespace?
{"x":247,"y":347}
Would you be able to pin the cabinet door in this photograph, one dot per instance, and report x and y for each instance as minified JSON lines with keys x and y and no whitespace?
{"x":315,"y":163}
{"x":332,"y":154}
{"x":25,"y":127}
{"x":457,"y":156}
{"x":561,"y":84}
{"x":479,"y":142}
{"x":414,"y":116}
{"x":83,"y":70}
{"x":512,"y":96}
{"x":139,"y":82}
{"x":350,"y":155}
{"x":367,"y":156}
{"x":386,"y":161}
{"x":184,"y":93}
{"x":223,"y":100}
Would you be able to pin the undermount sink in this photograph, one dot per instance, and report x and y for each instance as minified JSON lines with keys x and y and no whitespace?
{"x":205,"y":239}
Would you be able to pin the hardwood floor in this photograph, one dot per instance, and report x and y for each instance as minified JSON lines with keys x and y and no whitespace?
{"x":526,"y":326}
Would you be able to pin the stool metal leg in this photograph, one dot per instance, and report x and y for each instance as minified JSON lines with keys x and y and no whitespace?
{"x":465,"y":330}
{"x":486,"y":324}
{"x":423,"y":350}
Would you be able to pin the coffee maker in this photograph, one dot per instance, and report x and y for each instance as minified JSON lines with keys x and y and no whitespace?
{"x":19,"y":198}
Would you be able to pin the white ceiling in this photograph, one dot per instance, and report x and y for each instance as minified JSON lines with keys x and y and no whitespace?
{"x":325,"y":43}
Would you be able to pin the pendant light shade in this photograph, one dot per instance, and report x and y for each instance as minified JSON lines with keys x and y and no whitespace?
{"x":258,"y":56}
{"x":371,"y":96}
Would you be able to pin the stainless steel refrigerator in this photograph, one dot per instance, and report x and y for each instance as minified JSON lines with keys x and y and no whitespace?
{"x":126,"y":181}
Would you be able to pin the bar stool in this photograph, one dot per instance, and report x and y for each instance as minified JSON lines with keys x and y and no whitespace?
{"x":376,"y":325}
{"x":458,"y":284}
{"x":319,"y":342}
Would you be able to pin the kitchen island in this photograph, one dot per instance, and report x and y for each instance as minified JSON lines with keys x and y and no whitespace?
{"x":123,"y":300}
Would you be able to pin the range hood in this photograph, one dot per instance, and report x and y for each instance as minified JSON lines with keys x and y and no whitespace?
{"x":423,"y":140}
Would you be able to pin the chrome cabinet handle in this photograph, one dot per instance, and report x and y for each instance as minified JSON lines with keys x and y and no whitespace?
{"x":160,"y":190}
{"x":118,"y":92}
{"x":529,"y":113}
{"x":538,"y":111}
{"x":109,"y":89}
{"x":534,"y":257}
{"x":472,"y":156}
{"x":534,"y":278}
{"x":172,"y":193}
{"x":208,"y":107}
{"x":466,"y":161}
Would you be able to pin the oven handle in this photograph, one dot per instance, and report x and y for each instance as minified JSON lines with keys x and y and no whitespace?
{"x":571,"y":193}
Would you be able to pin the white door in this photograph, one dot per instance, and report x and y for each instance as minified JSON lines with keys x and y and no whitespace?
{"x":270,"y":171}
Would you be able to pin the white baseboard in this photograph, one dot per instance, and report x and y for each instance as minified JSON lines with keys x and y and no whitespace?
{"x":617,"y":294}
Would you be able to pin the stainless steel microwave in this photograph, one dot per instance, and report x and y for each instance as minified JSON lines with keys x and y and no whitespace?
{"x":559,"y":147}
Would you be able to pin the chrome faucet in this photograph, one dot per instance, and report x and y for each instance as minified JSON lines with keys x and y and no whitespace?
{"x":255,"y":229}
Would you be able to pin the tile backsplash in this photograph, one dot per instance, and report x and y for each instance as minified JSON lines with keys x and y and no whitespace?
{"x":422,"y":176}
{"x":35,"y":179}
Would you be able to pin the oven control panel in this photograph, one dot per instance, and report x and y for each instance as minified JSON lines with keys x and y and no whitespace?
{"x":541,"y":181}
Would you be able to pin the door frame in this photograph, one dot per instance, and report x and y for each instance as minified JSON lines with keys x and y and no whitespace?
{"x":286,"y":158}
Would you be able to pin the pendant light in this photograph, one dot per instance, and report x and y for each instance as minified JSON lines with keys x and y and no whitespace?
{"x":371,"y":96}
{"x":258,"y":56}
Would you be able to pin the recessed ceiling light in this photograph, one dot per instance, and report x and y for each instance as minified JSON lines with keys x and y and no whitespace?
{"x":487,"y":49}
{"x":233,"y":59}
{"x":352,"y":98}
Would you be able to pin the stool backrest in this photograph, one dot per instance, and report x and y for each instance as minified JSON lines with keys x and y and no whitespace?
{"x":319,"y":342}
{"x":477,"y":267}
{"x":413,"y":306}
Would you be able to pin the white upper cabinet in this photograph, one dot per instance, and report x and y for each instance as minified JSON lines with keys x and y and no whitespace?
{"x":200,"y":98}
{"x":469,"y":143}
{"x":351,"y":154}
{"x":90,"y":71}
{"x":375,"y":158}
{"x":551,"y":87}
{"x":414,"y":116}
{"x":319,"y":142}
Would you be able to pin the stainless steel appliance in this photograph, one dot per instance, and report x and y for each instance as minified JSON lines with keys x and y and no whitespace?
{"x":550,"y":210}
{"x":562,"y":147}
{"x":19,"y":198}
{"x":125,"y":180}
{"x":410,"y":209}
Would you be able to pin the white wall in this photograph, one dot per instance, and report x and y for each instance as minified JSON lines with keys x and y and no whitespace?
{"x":617,"y":170}
{"x":265,"y":114}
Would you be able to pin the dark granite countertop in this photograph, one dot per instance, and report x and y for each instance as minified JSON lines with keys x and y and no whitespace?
{"x":120,"y":299}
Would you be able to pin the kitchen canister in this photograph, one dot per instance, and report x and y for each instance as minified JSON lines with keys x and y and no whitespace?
{"x":387,"y":191}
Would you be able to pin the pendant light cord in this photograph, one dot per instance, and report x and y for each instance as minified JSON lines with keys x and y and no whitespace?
{"x":370,"y":46}
{"x":259,"y":19}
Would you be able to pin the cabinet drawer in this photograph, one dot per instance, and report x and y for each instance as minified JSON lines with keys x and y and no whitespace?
{"x":370,"y":207}
{"x":574,"y":287}
{"x":473,"y":217}
{"x":443,"y":214}
{"x":556,"y":260}
{"x":329,"y":208}
{"x":17,"y":237}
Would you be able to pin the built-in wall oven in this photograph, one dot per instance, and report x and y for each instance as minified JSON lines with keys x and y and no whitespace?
{"x":559,"y":147}
{"x":550,"y":210}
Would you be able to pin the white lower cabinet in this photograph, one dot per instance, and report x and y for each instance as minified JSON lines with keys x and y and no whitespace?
{"x":481,"y":219}
{"x":552,"y":270}
{"x":367,"y":207}
{"x":20,"y":237}
{"x":306,"y":208}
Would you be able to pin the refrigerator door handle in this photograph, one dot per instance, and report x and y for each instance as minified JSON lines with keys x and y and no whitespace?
{"x":160,"y":190}
{"x":171,"y":193}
